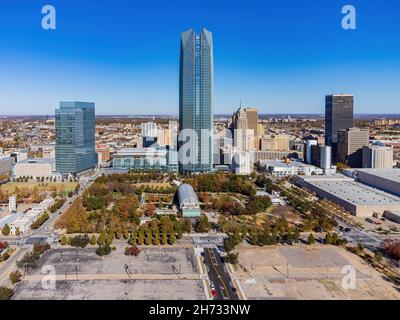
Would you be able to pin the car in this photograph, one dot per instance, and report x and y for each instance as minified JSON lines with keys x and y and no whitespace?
{"x":224,"y":293}
{"x":232,"y":286}
{"x":213,"y":291}
{"x":347,"y":229}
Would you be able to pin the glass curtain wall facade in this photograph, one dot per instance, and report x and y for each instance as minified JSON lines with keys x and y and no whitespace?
{"x":338,"y":116}
{"x":196,"y":90}
{"x":75,"y":137}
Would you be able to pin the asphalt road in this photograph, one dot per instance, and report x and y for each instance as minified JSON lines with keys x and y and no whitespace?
{"x":218,"y":275}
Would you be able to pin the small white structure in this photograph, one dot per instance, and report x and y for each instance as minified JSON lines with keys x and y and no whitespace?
{"x":12,"y":204}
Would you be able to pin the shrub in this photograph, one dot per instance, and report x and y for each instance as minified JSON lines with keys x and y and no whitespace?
{"x":103,"y":250}
{"x":132,"y":251}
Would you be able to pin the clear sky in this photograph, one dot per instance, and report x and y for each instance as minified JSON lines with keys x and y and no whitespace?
{"x":280,"y":56}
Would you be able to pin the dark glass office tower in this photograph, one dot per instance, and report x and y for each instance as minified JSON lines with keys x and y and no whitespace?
{"x":196,"y":90}
{"x":338,"y":116}
{"x":75,"y":137}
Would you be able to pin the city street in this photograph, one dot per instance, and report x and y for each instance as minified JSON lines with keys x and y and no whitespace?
{"x":218,"y":275}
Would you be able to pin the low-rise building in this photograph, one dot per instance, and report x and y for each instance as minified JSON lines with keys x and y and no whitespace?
{"x":384,"y":179}
{"x":145,"y":159}
{"x":287,"y":169}
{"x":188,"y":201}
{"x":36,"y":168}
{"x":359,"y":199}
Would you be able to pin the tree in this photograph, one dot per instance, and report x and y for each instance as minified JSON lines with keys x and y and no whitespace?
{"x":311,"y":239}
{"x":156,"y":239}
{"x":6,"y":293}
{"x":149,"y":237}
{"x":6,"y":230}
{"x":93,"y":240}
{"x":17,"y":231}
{"x":328,"y":239}
{"x":172,"y":238}
{"x":232,"y":258}
{"x":140,"y":239}
{"x":64,"y":240}
{"x":103,"y":250}
{"x":80,"y":241}
{"x":202,"y":224}
{"x":188,"y":226}
{"x":15,"y":276}
{"x":102,"y":238}
{"x":164,"y":239}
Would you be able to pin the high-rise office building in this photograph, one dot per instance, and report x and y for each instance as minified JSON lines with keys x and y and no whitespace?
{"x":196,"y":91}
{"x":245,"y":124}
{"x":75,"y":137}
{"x":350,"y":145}
{"x":378,"y":156}
{"x":275,"y":142}
{"x":339,"y":111}
{"x":172,"y":134}
{"x":308,"y":154}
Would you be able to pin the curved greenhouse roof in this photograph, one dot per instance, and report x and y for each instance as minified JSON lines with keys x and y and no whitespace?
{"x":187,"y":197}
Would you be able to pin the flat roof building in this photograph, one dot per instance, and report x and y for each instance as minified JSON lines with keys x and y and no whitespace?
{"x":138,"y":159}
{"x":360,"y":199}
{"x":384,"y":179}
{"x":284,"y":169}
{"x":36,"y":168}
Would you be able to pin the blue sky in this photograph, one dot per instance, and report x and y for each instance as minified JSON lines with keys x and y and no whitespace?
{"x":280,"y":56}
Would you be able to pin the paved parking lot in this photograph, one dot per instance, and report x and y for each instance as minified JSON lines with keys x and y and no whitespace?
{"x":157,"y":273}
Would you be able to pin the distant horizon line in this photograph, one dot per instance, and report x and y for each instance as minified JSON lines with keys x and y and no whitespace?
{"x":217,"y":114}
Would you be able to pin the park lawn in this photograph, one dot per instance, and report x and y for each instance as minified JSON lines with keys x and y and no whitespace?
{"x":45,"y":186}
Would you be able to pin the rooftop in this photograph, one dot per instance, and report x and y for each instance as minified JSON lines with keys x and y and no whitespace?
{"x":353,"y":192}
{"x":389,"y":174}
{"x":277,"y":163}
{"x":37,"y":161}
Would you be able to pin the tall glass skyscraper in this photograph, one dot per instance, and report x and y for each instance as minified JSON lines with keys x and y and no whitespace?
{"x":339,"y":111}
{"x":75,"y":137}
{"x":196,"y":91}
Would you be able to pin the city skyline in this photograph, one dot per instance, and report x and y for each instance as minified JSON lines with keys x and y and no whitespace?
{"x":120,"y":65}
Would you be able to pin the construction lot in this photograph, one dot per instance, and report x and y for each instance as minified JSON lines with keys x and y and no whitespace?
{"x":308,"y":273}
{"x":157,"y":273}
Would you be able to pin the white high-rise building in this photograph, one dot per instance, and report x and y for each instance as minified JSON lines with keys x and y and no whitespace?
{"x":308,"y":151}
{"x":241,"y":162}
{"x":173,"y":134}
{"x":149,"y":129}
{"x":377,"y":156}
{"x":326,"y":157}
